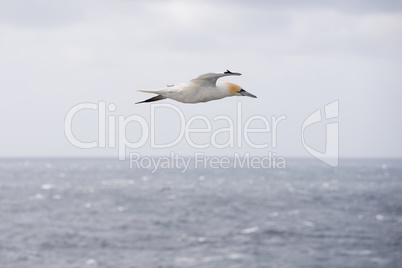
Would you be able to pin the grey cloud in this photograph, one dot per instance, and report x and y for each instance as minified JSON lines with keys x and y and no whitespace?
{"x":37,"y":14}
{"x":295,"y":56}
{"x":356,"y":6}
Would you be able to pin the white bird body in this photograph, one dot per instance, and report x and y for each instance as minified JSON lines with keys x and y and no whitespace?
{"x":192,"y":93}
{"x":201,"y":89}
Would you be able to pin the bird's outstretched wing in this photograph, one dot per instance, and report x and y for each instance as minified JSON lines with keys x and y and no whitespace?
{"x":209,"y":79}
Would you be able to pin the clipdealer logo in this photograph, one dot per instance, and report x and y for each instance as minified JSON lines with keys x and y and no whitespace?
{"x":112,"y":134}
{"x":331,"y":154}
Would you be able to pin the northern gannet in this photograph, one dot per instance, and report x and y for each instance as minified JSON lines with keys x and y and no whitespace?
{"x":200,"y":89}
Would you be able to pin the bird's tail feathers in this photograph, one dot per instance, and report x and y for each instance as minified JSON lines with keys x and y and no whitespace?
{"x":147,"y":91}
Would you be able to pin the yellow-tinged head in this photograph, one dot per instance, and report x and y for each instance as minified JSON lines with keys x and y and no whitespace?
{"x":236,"y":90}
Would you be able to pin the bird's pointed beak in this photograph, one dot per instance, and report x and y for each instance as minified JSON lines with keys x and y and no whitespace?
{"x":245,"y":93}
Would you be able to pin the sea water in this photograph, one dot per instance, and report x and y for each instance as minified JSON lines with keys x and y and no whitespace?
{"x":102,"y":213}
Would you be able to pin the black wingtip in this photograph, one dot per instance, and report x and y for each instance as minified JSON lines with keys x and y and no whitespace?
{"x":231,"y":73}
{"x":156,"y":98}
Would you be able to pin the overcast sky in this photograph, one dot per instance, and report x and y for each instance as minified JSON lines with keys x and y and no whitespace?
{"x":296,"y":56}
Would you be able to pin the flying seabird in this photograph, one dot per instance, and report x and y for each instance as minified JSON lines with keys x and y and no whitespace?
{"x":200,"y":89}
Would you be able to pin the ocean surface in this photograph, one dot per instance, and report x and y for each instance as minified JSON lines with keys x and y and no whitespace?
{"x":102,"y":213}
